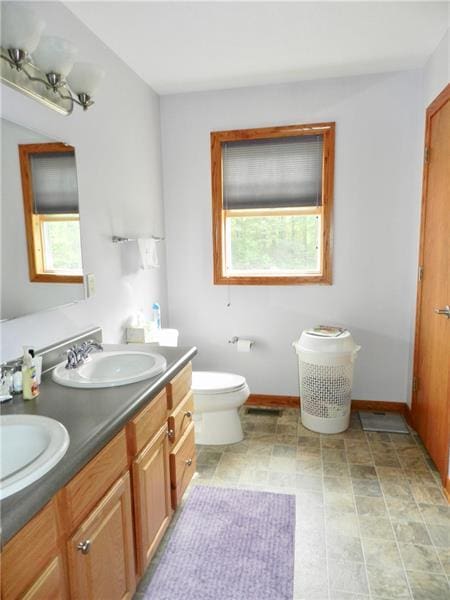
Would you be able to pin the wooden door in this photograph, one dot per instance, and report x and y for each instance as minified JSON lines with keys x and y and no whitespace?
{"x":151,"y":487}
{"x":430,"y":405}
{"x":101,"y":553}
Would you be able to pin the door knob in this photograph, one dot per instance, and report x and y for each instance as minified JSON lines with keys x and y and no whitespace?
{"x":188,"y":462}
{"x":84,"y":546}
{"x":443,"y":311}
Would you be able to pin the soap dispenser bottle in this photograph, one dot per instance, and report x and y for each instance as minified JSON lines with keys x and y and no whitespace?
{"x":29,"y":381}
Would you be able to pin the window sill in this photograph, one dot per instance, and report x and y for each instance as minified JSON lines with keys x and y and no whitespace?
{"x":53,"y":278}
{"x":281,"y":280}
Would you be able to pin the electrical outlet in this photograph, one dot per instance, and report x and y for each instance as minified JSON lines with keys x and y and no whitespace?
{"x":90,"y":285}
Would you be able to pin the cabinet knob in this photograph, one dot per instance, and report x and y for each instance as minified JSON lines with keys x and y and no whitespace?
{"x":84,"y":546}
{"x":188,"y":462}
{"x":170,"y":433}
{"x":188,"y":414}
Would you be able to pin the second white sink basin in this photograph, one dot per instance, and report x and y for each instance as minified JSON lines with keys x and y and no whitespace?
{"x":30,"y":446}
{"x":110,"y":369}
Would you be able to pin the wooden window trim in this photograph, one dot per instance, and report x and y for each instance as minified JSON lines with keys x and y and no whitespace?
{"x":327,"y":130}
{"x":33,"y":221}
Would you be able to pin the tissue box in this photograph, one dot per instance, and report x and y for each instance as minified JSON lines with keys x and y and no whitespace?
{"x":136,"y":335}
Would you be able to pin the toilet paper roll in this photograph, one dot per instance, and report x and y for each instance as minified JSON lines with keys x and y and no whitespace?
{"x":244,"y":345}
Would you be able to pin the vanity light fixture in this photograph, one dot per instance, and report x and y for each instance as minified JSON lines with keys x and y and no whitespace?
{"x":43,"y":66}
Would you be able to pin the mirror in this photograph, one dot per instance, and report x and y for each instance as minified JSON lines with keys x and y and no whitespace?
{"x":40,"y":223}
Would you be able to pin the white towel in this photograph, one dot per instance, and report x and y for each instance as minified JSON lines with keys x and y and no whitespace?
{"x":148,"y":253}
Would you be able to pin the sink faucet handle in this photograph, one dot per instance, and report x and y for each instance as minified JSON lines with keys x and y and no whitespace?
{"x":72,"y":358}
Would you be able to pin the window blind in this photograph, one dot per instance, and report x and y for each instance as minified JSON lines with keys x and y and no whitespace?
{"x":54,"y":180}
{"x":272,"y":173}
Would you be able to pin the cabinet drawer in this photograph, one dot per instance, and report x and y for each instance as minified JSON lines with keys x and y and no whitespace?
{"x":182,"y":465}
{"x":181,"y":418}
{"x":84,"y":491}
{"x":147,"y":423}
{"x":26,"y":556}
{"x":179,"y":387}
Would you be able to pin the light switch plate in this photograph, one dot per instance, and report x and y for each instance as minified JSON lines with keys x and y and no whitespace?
{"x":90,"y":285}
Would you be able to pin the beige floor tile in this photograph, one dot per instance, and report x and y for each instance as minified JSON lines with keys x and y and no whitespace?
{"x":337,"y":484}
{"x":420,"y":558}
{"x":362,"y":472}
{"x":348,"y":576}
{"x":331,"y":442}
{"x":429,"y":494}
{"x":411,"y":532}
{"x":444,"y":557}
{"x":382,"y":553}
{"x":404,"y":510}
{"x":333,"y":455}
{"x":370,"y":506}
{"x":309,"y":465}
{"x":342,"y":547}
{"x":428,"y":586}
{"x":366,"y":487}
{"x":396,"y":488}
{"x":339,"y":502}
{"x":376,"y":527}
{"x":341,"y":524}
{"x":390,"y":584}
{"x":336,"y":470}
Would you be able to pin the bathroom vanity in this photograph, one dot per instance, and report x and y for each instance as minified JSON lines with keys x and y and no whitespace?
{"x":89,"y":527}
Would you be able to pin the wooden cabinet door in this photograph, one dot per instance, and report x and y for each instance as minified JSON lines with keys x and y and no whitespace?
{"x":101,"y":553}
{"x":151,"y":487}
{"x":50,"y":585}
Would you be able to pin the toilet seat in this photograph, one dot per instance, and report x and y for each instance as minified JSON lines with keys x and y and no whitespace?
{"x":212,"y":382}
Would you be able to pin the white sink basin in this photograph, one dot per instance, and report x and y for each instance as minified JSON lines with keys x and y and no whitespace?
{"x":110,"y":369}
{"x":30,"y":446}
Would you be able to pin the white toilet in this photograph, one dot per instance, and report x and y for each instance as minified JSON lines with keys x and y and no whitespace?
{"x":217,"y":399}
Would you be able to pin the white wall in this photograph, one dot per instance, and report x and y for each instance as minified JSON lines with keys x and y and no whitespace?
{"x":437,"y":70}
{"x":118,"y":157}
{"x":377,"y":191}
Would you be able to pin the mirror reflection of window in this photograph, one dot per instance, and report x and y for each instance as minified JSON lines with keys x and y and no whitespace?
{"x":49,"y":181}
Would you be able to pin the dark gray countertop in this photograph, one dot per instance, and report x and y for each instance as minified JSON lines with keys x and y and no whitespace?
{"x":92,"y":417}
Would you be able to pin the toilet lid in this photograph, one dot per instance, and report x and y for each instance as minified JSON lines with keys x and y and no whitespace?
{"x":210,"y":382}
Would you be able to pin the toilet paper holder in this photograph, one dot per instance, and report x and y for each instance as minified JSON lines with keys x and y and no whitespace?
{"x":235,"y":339}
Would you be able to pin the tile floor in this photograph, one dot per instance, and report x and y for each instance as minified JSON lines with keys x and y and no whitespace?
{"x":372,"y":522}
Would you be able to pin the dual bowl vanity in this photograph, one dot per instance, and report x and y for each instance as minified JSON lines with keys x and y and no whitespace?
{"x":111,"y":448}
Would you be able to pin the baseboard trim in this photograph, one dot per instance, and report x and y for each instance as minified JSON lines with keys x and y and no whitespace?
{"x":273,"y":401}
{"x":381,"y":405}
{"x":447,"y":489}
{"x":294,"y":402}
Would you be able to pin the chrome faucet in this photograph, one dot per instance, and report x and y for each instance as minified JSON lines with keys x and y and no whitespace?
{"x":77,"y":355}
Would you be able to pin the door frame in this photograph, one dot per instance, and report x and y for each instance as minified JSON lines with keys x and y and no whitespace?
{"x":432,"y":109}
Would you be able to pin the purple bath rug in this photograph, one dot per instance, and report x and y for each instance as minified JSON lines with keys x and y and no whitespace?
{"x":229,"y":545}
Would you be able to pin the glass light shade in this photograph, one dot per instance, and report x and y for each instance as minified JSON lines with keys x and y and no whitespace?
{"x":85,"y":78}
{"x":54,"y":55}
{"x":21,"y":27}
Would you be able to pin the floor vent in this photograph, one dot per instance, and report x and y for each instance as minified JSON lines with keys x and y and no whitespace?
{"x":389,"y":422}
{"x":267,"y":412}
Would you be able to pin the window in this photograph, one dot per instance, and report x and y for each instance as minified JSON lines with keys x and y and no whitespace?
{"x":52,"y":222}
{"x":272,"y":196}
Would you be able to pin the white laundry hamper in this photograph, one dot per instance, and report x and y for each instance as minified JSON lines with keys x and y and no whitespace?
{"x":326,"y":377}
